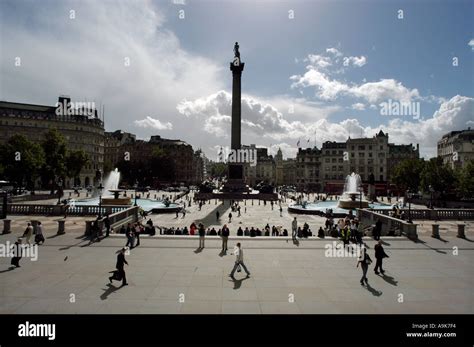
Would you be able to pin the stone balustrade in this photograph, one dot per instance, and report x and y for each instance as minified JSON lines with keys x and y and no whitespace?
{"x":60,"y":210}
{"x":434,"y":214}
{"x":389,"y":224}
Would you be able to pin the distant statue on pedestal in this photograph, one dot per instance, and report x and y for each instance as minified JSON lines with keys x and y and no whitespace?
{"x":236,"y":50}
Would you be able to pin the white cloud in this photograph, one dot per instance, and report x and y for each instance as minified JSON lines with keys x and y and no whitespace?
{"x":334,"y":51}
{"x":153,"y":123}
{"x":375,"y":92}
{"x":358,"y":106}
{"x":319,"y":60}
{"x":471,"y":44}
{"x":261,"y":119}
{"x":357,"y":61}
{"x":88,"y":63}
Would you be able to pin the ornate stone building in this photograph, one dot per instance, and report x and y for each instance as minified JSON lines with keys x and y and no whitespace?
{"x":457,"y":148}
{"x":82,"y":129}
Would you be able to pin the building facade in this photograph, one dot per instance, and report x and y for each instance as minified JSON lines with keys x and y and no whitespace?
{"x":308,"y":167}
{"x":81,"y":128}
{"x":457,"y":148}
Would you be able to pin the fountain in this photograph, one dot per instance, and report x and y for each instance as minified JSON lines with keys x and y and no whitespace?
{"x":353,"y":194}
{"x":111,"y":184}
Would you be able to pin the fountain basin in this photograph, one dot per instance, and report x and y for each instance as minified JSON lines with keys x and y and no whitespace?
{"x":117,"y":201}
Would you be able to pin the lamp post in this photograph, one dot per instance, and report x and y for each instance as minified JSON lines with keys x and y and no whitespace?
{"x":409,"y":196}
{"x":136,"y":188}
{"x":431,"y":195}
{"x":100,"y":187}
{"x":60,"y":184}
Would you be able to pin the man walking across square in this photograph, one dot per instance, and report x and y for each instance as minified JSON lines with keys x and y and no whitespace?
{"x":121,"y":261}
{"x":225,"y":237}
{"x":379,"y":255}
{"x":294,"y":228}
{"x":202,"y":234}
{"x":239,"y":260}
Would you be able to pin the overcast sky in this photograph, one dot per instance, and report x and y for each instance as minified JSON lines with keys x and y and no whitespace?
{"x":314,"y":70}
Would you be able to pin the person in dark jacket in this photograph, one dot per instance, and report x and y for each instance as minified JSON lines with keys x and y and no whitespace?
{"x":202,"y":234}
{"x":17,"y":252}
{"x":121,"y":261}
{"x":364,"y":261}
{"x":107,"y":225}
{"x":377,"y":230}
{"x":225,"y":236}
{"x":379,"y":255}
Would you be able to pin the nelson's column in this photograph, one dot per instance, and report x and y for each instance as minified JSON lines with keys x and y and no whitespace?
{"x":236,"y":181}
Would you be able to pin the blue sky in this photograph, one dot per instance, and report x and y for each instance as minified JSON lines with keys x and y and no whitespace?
{"x":178,"y":83}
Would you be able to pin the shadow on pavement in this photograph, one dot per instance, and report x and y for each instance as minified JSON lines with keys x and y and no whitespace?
{"x":425,"y":244}
{"x":389,"y":279}
{"x":238,"y":283}
{"x":111,"y":288}
{"x":372,"y":290}
{"x":11,"y":268}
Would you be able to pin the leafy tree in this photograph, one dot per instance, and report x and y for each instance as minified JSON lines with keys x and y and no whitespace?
{"x":437,"y":175}
{"x":21,"y":160}
{"x":218,"y":170}
{"x":466,"y":180}
{"x":75,"y":162}
{"x":54,"y":147}
{"x":407,"y":174}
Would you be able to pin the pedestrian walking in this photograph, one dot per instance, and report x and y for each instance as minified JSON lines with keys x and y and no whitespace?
{"x":120,"y":273}
{"x":202,"y":234}
{"x":39,"y":237}
{"x":130,"y":237}
{"x":184,"y":212}
{"x":95,"y":231}
{"x":107,"y":225}
{"x":28,"y":233}
{"x":17,"y":252}
{"x":217,"y":215}
{"x":225,"y":236}
{"x":281,"y":211}
{"x":239,"y":261}
{"x":230,"y":217}
{"x":294,"y":228}
{"x":364,"y":261}
{"x":377,"y":231}
{"x":137,"y":231}
{"x":379,"y":255}
{"x":238,"y":211}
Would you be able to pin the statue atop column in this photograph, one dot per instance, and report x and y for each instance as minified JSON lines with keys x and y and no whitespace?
{"x":236,"y":50}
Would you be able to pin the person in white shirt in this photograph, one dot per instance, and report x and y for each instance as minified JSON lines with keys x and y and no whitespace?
{"x":294,"y":227}
{"x":239,"y":260}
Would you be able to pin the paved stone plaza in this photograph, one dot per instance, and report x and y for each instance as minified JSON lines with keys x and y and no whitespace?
{"x":167,"y":275}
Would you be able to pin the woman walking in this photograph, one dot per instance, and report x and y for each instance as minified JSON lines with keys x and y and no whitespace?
{"x":364,"y":261}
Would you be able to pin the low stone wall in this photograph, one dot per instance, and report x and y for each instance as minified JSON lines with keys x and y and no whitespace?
{"x":389,"y":224}
{"x":434,"y":214}
{"x":33,"y":197}
{"x":117,"y":219}
{"x":237,"y":196}
{"x":60,"y":210}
